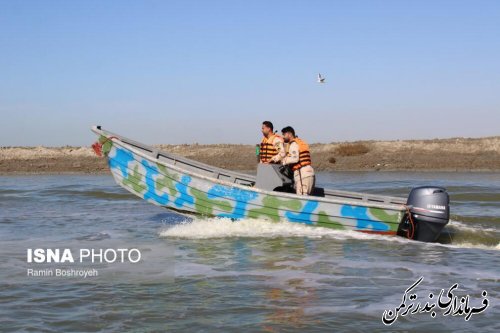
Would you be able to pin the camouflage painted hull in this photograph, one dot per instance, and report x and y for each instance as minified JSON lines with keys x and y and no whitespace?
{"x":161,"y":179}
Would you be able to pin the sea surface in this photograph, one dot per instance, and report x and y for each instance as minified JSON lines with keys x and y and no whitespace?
{"x":216,"y":275}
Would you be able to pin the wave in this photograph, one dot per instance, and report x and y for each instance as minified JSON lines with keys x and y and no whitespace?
{"x":458,"y":235}
{"x":205,"y":228}
{"x":94,"y":194}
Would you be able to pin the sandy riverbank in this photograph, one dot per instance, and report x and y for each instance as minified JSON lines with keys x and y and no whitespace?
{"x":456,"y":154}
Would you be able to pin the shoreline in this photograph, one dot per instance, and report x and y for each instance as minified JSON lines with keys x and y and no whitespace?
{"x":435,"y":155}
{"x":106,"y":173}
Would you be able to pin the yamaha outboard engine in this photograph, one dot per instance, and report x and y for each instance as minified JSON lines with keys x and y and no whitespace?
{"x":430,"y":212}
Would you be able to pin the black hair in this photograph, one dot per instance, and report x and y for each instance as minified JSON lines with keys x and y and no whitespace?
{"x":288,"y":129}
{"x":268,"y":124}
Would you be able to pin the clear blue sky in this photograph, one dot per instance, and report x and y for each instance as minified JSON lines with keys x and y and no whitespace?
{"x":212,"y":71}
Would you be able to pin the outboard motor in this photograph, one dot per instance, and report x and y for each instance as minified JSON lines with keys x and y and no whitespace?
{"x":430,"y":212}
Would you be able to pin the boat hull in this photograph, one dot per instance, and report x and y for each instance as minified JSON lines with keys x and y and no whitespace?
{"x":171,"y":187}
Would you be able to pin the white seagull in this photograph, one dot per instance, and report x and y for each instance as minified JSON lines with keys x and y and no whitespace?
{"x":320,"y":78}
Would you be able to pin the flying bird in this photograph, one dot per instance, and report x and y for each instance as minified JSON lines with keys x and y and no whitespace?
{"x":320,"y":78}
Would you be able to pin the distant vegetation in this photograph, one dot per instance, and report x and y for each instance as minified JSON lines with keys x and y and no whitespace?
{"x":351,"y":149}
{"x":455,"y":154}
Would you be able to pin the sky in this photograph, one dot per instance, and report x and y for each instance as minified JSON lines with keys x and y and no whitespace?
{"x":212,"y":71}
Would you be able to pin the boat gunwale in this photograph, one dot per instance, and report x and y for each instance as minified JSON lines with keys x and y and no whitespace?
{"x":118,"y":139}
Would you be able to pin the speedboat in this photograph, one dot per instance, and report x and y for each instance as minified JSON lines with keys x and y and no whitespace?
{"x":190,"y":187}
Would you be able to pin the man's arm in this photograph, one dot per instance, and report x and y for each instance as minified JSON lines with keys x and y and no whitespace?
{"x":293,"y":154}
{"x":278,"y":144}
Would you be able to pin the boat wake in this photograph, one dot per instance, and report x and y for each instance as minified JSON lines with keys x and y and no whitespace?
{"x":459,"y":235}
{"x":205,"y":228}
{"x":467,"y":235}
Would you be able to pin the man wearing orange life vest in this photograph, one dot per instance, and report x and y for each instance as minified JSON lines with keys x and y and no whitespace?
{"x":272,"y":149}
{"x":299,"y":159}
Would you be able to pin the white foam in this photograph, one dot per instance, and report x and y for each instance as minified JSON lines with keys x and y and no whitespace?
{"x":471,"y":228}
{"x":209,"y":228}
{"x":467,"y":245}
{"x":224,"y":227}
{"x":204,"y":228}
{"x":475,"y":230}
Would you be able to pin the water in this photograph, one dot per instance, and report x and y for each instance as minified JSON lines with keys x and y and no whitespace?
{"x":212,"y":275}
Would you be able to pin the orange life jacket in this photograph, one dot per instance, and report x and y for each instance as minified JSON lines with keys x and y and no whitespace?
{"x":304,"y":154}
{"x":267,"y":148}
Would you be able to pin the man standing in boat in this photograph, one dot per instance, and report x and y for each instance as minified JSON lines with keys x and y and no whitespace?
{"x":272,"y":149}
{"x":299,"y":158}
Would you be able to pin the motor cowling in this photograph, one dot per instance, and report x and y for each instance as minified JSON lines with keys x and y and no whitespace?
{"x":429,"y":207}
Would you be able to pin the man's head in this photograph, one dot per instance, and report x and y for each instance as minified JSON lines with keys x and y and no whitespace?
{"x":267,"y":128}
{"x":288,"y":134}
